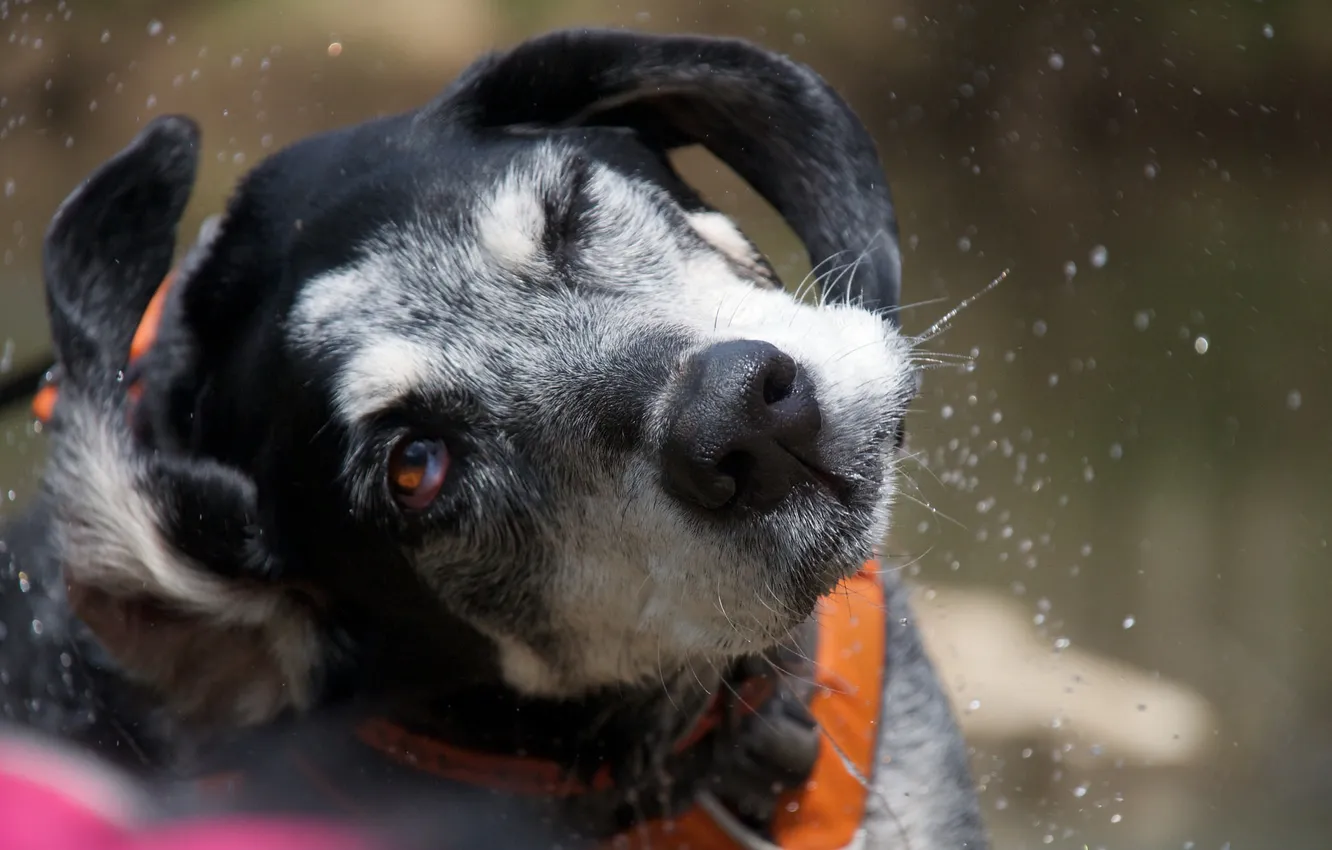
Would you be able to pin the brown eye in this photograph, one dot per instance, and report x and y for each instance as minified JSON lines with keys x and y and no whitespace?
{"x":416,"y":471}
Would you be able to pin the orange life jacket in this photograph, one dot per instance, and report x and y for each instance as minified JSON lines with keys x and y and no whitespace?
{"x":825,"y":812}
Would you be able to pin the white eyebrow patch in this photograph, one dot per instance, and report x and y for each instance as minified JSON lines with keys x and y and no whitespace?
{"x":721,"y":233}
{"x":380,"y":374}
{"x":510,"y":224}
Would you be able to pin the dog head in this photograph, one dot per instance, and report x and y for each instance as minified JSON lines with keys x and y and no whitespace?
{"x":487,"y":374}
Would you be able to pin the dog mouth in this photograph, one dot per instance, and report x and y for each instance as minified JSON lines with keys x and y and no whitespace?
{"x":836,"y":487}
{"x":740,"y":469}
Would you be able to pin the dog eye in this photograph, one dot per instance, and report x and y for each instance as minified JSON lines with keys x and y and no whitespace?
{"x":416,"y":471}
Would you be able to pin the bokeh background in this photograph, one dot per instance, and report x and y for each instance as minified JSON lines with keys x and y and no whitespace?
{"x":1119,"y":513}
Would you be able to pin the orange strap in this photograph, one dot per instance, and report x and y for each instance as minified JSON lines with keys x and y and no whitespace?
{"x":43,"y":404}
{"x":828,"y":810}
{"x":510,"y":774}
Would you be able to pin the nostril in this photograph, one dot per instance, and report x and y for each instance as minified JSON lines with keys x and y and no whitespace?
{"x":737,"y":466}
{"x":778,"y":377}
{"x":777,"y":387}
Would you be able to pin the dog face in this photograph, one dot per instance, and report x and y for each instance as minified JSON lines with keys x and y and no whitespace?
{"x":489,"y":374}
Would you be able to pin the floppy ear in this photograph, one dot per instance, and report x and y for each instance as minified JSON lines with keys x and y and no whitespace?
{"x":161,"y":554}
{"x":109,"y":246}
{"x":774,"y":121}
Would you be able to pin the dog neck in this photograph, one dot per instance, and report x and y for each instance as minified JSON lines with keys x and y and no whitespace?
{"x":471,"y":705}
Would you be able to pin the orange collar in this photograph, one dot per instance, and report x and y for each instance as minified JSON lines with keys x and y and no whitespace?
{"x":823,"y":813}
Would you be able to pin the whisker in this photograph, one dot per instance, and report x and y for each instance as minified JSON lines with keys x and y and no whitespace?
{"x":812,"y":277}
{"x":944,"y":322}
{"x":885,"y":312}
{"x":932,"y":509}
{"x":661,"y":674}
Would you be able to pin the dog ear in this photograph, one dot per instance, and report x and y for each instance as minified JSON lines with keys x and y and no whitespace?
{"x":111,"y":243}
{"x":162,"y":554}
{"x":774,"y":121}
{"x":163,"y":558}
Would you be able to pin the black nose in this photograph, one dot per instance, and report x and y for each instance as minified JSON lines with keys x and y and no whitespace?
{"x":743,"y":428}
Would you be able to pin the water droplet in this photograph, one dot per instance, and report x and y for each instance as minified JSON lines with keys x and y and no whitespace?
{"x":1056,"y":61}
{"x":106,"y":36}
{"x":37,"y":627}
{"x":1201,"y":345}
{"x":1116,"y":818}
{"x":1294,"y":400}
{"x":1150,"y":170}
{"x":973,"y":705}
{"x":1142,"y":319}
{"x":1268,"y":31}
{"x":1098,"y":256}
{"x":1062,"y":644}
{"x":900,"y":23}
{"x":154,"y":27}
{"x":151,"y":102}
{"x":1039,"y":327}
{"x":335,"y":49}
{"x":1116,"y":451}
{"x":1080,"y":791}
{"x":10,"y":187}
{"x":1070,"y":270}
{"x":236,"y":62}
{"x":1054,"y":379}
{"x":963,"y":244}
{"x":1129,"y":621}
{"x":947,"y":411}
{"x":1088,"y":473}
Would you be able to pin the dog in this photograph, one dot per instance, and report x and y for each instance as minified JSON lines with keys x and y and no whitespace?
{"x":478,"y":422}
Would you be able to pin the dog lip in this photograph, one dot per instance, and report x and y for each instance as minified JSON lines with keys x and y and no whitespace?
{"x":839,"y":488}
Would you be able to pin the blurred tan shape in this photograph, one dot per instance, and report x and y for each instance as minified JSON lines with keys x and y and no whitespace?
{"x":1009,"y":686}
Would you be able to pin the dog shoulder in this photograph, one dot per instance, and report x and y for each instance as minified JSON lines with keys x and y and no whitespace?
{"x":924,"y":796}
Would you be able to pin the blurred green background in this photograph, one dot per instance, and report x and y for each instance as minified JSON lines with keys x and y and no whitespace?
{"x":1119,"y":518}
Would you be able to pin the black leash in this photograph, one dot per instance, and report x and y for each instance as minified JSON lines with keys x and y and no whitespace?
{"x":21,"y":384}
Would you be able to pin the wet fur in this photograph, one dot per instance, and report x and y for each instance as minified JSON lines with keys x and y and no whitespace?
{"x":517,"y":269}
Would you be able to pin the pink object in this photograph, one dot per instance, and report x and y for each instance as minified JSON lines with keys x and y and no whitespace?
{"x":50,"y":800}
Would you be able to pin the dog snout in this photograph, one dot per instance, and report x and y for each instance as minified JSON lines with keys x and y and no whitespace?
{"x":743,"y":428}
